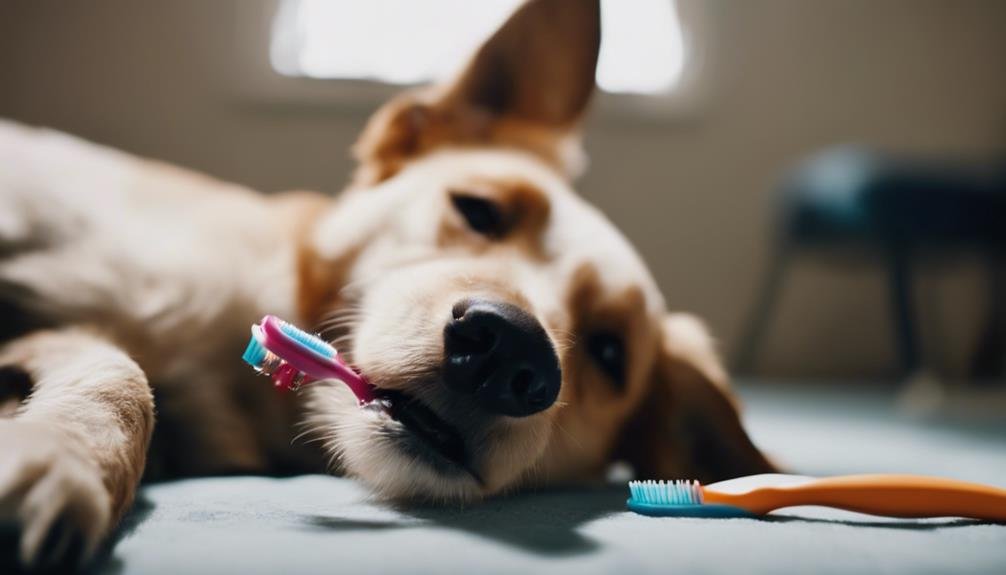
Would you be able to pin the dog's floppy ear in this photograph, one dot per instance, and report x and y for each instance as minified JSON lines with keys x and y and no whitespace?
{"x":688,"y":426}
{"x":527,"y":86}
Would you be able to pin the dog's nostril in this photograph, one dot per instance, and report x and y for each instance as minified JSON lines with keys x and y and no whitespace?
{"x":521,"y":383}
{"x":529,"y":390}
{"x":538,"y":396}
{"x":469,"y":340}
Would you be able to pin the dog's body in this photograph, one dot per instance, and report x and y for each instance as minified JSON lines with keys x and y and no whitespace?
{"x":125,"y":280}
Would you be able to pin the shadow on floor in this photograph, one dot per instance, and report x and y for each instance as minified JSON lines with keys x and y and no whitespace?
{"x":545,"y":523}
{"x":107,"y":563}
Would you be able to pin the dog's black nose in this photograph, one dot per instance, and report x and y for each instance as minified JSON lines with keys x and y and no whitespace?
{"x":500,"y":354}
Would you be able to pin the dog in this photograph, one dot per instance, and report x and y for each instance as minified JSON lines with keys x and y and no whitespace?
{"x":519,"y":336}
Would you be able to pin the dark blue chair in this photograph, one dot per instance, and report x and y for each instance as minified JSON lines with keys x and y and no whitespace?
{"x":902,"y":210}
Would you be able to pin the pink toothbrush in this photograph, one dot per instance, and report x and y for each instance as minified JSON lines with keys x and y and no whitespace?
{"x":294,"y":357}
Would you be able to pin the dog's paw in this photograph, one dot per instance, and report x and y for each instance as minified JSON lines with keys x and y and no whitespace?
{"x":52,"y":493}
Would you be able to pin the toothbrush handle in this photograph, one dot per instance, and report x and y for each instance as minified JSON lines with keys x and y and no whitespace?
{"x":893,"y":496}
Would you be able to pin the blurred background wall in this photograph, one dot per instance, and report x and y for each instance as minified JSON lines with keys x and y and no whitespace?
{"x":784,"y":78}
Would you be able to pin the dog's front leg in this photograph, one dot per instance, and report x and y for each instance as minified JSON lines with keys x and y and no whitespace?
{"x":73,"y":452}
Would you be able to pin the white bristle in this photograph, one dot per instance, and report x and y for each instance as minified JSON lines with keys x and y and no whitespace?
{"x":677,"y":492}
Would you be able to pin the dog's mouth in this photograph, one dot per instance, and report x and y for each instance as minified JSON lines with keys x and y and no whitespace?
{"x":425,"y":434}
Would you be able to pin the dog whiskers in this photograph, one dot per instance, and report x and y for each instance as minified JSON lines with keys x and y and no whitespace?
{"x":570,"y":436}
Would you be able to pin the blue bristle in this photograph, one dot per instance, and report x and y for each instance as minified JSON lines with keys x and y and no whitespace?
{"x":666,"y":492}
{"x":312,"y":342}
{"x":254,"y":354}
{"x":676,"y":499}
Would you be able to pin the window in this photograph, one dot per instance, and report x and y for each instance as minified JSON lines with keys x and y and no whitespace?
{"x":643,"y":49}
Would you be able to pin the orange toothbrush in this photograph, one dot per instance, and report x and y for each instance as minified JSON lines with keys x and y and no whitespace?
{"x":888,"y":495}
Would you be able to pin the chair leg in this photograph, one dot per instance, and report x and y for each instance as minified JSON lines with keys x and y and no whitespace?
{"x":903,"y":312}
{"x":760,"y":315}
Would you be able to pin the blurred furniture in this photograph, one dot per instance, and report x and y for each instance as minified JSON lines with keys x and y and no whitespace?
{"x":850,"y":199}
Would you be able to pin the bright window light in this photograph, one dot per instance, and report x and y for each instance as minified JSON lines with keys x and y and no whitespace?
{"x":412,"y":41}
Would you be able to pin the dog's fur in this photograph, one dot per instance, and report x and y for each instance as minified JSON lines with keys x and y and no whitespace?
{"x":127,"y":283}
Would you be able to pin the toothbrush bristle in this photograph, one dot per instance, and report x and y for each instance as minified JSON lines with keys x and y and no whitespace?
{"x":308,"y":340}
{"x":678,"y":492}
{"x":254,"y":354}
{"x":263,"y":360}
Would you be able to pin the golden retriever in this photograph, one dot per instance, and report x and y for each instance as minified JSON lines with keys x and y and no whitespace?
{"x":518,"y":335}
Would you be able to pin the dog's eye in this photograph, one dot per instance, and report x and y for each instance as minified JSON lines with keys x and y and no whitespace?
{"x":608,"y":351}
{"x":482,"y":215}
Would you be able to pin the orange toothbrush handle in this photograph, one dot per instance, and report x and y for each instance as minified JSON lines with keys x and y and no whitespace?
{"x":889,"y":495}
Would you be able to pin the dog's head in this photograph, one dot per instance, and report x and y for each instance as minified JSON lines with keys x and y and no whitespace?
{"x":516,"y":335}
